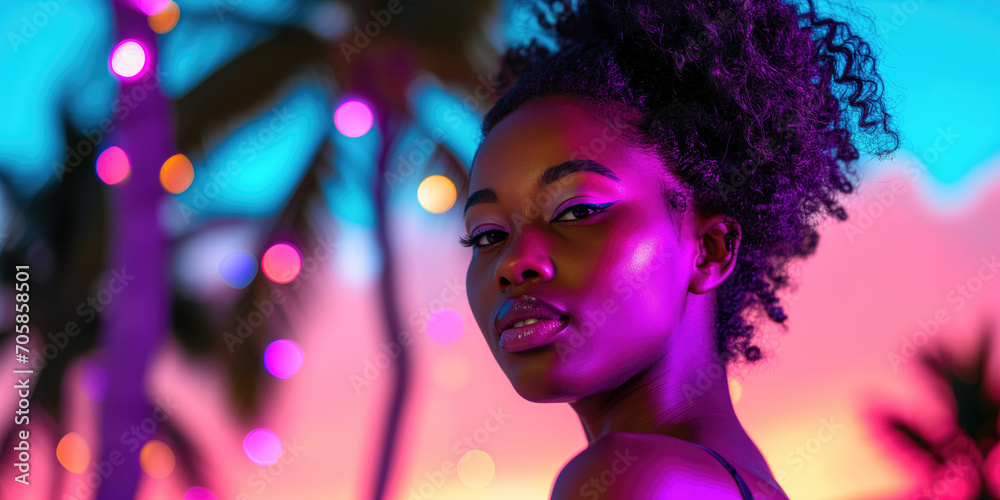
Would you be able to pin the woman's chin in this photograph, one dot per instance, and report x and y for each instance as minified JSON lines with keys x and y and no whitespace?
{"x":546,"y":386}
{"x":543,"y":395}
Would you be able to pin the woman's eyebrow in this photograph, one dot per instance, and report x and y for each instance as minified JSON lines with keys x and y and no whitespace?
{"x":482,"y":196}
{"x":550,"y":175}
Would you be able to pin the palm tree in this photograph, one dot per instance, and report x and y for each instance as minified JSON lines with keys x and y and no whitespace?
{"x":963,"y":459}
{"x":87,"y":227}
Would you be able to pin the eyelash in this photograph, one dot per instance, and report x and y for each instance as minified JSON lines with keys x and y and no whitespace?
{"x":470,"y":240}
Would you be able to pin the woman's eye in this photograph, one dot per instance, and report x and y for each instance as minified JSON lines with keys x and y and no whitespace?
{"x":579,"y":212}
{"x":582,"y":211}
{"x":473,"y":241}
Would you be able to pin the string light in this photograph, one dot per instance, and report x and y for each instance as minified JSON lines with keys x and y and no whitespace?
{"x":353,"y":118}
{"x":128,"y":59}
{"x":112,"y":165}
{"x":281,"y":263}
{"x":436,"y":194}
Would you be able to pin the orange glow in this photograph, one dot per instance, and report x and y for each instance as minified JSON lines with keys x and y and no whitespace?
{"x":157,"y":459}
{"x":176,"y":174}
{"x":165,"y":20}
{"x":73,"y":452}
{"x":436,"y":194}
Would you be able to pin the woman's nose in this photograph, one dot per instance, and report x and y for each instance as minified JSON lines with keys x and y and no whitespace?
{"x":527,"y":257}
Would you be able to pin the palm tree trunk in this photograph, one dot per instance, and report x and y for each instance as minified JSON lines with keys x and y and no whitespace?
{"x":388,"y":291}
{"x":137,"y":318}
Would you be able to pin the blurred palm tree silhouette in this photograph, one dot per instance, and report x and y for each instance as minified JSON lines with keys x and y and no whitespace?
{"x":962,"y":459}
{"x":79,"y":228}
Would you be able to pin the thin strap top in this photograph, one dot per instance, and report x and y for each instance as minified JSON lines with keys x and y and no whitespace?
{"x":744,"y":490}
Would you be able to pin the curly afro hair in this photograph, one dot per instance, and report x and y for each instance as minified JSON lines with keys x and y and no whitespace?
{"x":749,"y":104}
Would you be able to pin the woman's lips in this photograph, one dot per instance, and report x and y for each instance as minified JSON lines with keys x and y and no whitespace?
{"x":522,"y":338}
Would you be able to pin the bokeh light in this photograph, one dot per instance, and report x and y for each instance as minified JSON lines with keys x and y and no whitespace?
{"x":238,"y":269}
{"x":93,"y":380}
{"x":436,"y":194}
{"x":445,"y":325}
{"x":353,"y":118}
{"x":451,"y":371}
{"x":165,"y":20}
{"x":152,"y":7}
{"x":112,"y":165}
{"x":262,"y":447}
{"x":281,"y":263}
{"x":73,"y":453}
{"x":176,"y":174}
{"x":476,"y":469}
{"x":329,"y":19}
{"x":283,"y":358}
{"x":157,"y":459}
{"x":199,"y":493}
{"x":128,"y":59}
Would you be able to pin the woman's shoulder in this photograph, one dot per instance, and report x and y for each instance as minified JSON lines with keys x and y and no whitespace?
{"x":623,"y":465}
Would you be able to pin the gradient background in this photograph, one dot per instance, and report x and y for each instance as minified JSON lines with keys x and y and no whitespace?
{"x":921,"y":226}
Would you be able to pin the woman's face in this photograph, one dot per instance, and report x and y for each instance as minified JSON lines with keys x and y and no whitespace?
{"x":618,"y":277}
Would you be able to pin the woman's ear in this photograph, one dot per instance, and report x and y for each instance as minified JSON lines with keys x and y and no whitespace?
{"x":718,"y":244}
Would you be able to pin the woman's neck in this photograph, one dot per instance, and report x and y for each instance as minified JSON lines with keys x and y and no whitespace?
{"x":672,"y":396}
{"x":683,"y":394}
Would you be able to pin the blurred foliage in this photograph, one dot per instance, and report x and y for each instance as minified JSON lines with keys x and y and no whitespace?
{"x":962,"y":458}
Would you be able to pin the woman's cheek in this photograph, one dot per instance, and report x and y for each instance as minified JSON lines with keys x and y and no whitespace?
{"x":622,"y":289}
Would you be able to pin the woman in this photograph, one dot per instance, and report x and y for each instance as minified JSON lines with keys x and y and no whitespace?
{"x":639,"y":192}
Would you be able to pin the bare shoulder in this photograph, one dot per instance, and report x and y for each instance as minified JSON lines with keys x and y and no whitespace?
{"x":628,"y":466}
